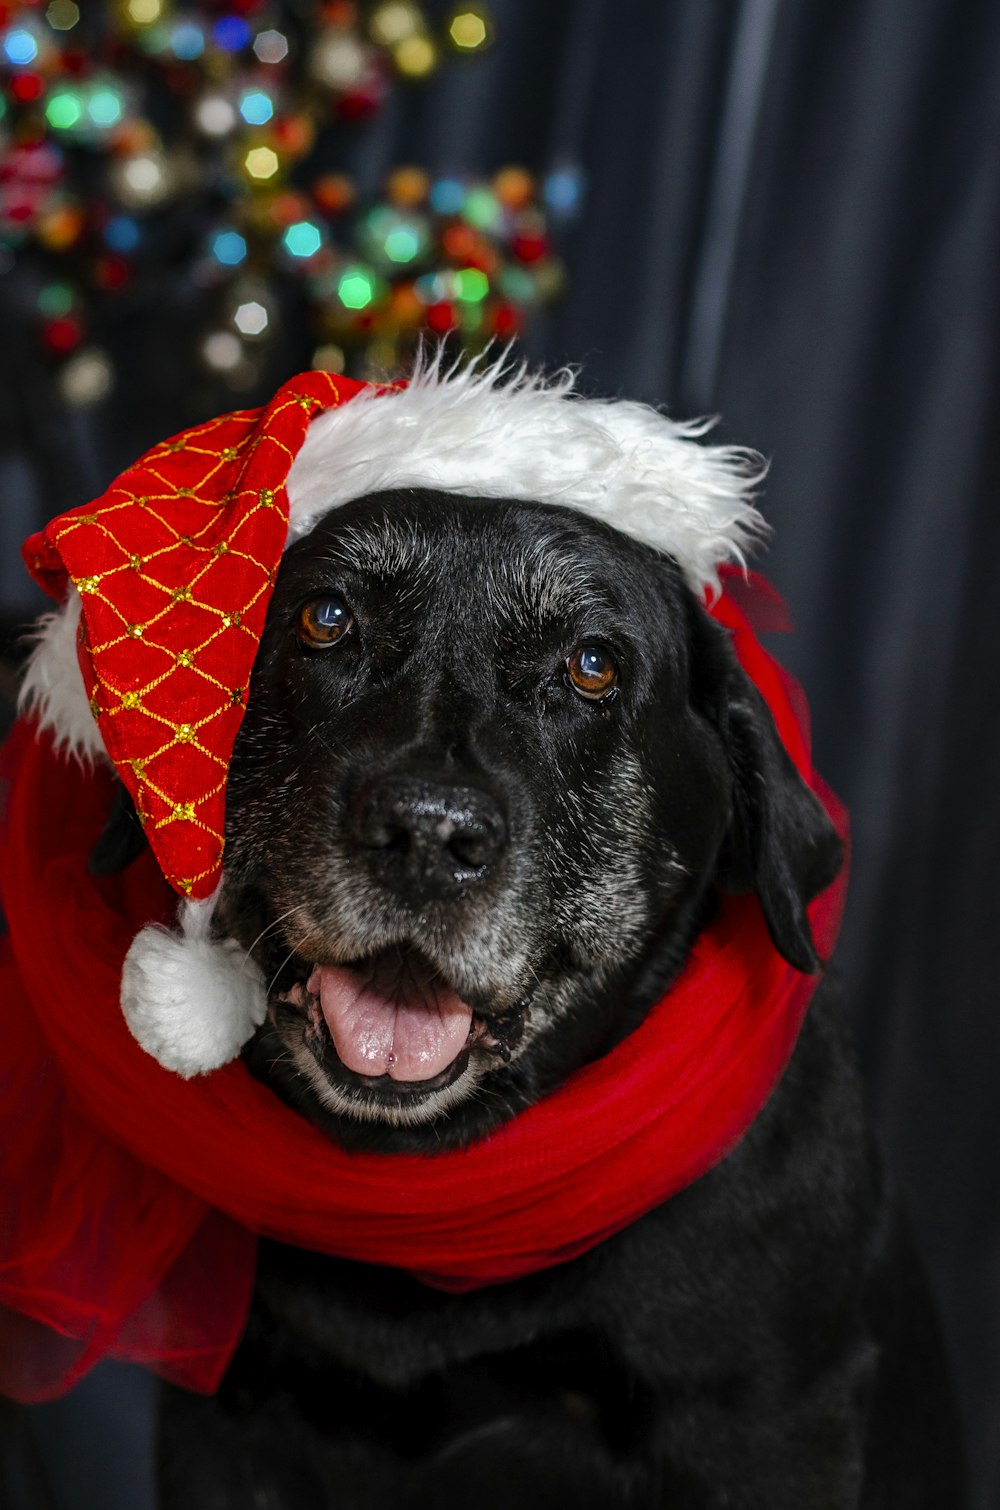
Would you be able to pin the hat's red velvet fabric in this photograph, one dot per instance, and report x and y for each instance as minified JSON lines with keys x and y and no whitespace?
{"x":175,"y":564}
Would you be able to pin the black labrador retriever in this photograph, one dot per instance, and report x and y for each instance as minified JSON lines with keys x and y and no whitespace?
{"x":497,"y":757}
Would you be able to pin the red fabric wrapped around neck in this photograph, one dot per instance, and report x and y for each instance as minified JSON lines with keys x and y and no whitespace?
{"x":132,"y":1198}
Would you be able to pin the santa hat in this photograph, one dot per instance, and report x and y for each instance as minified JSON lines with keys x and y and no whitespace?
{"x":164,"y":583}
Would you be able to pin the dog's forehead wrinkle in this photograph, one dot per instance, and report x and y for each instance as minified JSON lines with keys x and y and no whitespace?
{"x":541,"y":580}
{"x":515,"y":559}
{"x":392,"y":559}
{"x":385,"y":544}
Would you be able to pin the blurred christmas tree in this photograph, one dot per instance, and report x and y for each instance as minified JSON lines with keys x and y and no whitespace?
{"x":142,"y":140}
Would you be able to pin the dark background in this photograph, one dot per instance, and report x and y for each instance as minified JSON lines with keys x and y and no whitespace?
{"x":792,"y":220}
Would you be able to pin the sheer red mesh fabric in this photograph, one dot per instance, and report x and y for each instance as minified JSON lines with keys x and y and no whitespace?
{"x":131,"y":1197}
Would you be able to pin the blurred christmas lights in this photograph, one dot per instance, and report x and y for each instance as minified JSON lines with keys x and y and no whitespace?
{"x":112,"y":114}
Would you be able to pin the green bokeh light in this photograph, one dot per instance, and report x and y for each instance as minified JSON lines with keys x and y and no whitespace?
{"x":471,"y":285}
{"x":64,"y":110}
{"x":390,"y":238}
{"x":518,"y":285}
{"x":356,"y":288}
{"x":55,"y":300}
{"x":482,"y":210}
{"x":402,"y":244}
{"x":471,"y":318}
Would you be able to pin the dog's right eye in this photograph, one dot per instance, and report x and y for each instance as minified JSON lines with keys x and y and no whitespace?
{"x":323,"y":622}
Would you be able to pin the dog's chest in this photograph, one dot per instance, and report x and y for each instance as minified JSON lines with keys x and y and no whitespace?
{"x":421,"y":1376}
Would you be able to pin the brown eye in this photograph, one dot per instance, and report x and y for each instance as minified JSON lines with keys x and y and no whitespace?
{"x":323,"y":622}
{"x":592,"y":671}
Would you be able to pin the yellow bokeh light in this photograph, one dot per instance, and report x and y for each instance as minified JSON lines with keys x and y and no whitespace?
{"x":514,"y":187}
{"x":393,"y":22}
{"x":329,"y":358}
{"x":144,"y":12}
{"x":415,"y":57}
{"x":261,"y":162}
{"x":408,"y":186}
{"x":468,"y":30}
{"x":62,"y":15}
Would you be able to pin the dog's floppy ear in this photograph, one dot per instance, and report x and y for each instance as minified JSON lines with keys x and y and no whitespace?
{"x":780,"y":844}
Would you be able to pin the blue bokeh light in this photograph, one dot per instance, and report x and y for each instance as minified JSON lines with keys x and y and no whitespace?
{"x":122,"y":233}
{"x":229,"y":248}
{"x":187,"y":41}
{"x":447,"y":196}
{"x":256,"y":107}
{"x":20,"y":47}
{"x":302,"y":239}
{"x":231,"y":33}
{"x":563,"y":190}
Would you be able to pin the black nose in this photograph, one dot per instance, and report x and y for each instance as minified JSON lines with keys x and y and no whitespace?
{"x":423,"y":838}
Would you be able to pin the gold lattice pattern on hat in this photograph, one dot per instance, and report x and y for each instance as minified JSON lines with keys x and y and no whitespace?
{"x":233,"y":530}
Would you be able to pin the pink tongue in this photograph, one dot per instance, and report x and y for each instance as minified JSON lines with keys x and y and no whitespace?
{"x":389,"y":1020}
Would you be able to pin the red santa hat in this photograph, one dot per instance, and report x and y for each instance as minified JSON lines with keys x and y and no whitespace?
{"x":164,"y":583}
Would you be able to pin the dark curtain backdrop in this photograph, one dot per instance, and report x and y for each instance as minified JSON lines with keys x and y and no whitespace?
{"x":792,"y":220}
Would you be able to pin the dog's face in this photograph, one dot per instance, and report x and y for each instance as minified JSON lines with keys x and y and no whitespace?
{"x":495,"y":762}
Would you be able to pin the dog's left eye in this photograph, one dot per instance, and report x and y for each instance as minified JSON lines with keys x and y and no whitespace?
{"x":323,"y":622}
{"x":592,"y":671}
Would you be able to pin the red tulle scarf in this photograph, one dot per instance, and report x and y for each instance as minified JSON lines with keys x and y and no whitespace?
{"x":131,"y":1198}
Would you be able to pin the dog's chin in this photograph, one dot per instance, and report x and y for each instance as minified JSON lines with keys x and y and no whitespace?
{"x":385,"y":1041}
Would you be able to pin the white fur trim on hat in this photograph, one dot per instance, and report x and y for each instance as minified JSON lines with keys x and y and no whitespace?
{"x":496,"y":432}
{"x":53,"y":690}
{"x":190,"y":1000}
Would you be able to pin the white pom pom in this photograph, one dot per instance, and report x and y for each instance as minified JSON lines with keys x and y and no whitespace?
{"x":190,"y":1000}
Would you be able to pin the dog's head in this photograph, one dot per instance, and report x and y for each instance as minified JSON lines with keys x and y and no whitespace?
{"x":496,"y":762}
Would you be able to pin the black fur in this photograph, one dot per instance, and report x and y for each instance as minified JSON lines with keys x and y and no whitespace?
{"x":434,"y":785}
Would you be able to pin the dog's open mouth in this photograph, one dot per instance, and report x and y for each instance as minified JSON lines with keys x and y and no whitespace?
{"x":394,"y":1023}
{"x":392,"y":1016}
